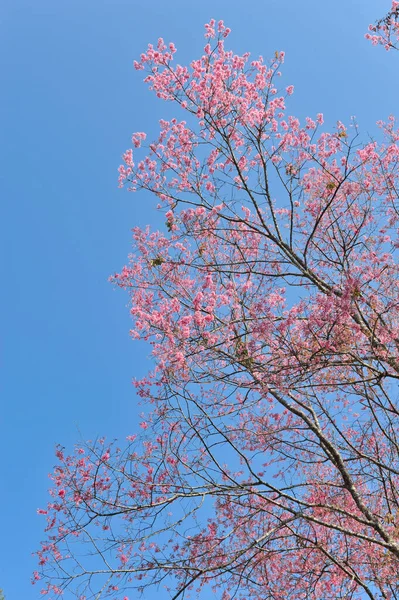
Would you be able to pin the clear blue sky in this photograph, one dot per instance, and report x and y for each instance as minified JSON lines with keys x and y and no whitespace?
{"x":70,"y":100}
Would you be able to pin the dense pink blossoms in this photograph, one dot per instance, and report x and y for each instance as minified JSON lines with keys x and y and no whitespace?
{"x":267,"y":465}
{"x":386,"y":30}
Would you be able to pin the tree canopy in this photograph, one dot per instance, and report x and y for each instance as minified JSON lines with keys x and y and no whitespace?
{"x":267,"y":465}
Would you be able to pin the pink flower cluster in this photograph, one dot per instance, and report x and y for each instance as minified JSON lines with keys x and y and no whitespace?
{"x":386,"y":30}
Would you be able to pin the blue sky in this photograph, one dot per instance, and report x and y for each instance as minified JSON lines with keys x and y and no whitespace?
{"x":69,"y":103}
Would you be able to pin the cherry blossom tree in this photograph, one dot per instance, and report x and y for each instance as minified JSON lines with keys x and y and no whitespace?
{"x":267,"y":463}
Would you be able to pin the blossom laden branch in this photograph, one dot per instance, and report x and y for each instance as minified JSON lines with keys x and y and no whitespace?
{"x":386,"y":30}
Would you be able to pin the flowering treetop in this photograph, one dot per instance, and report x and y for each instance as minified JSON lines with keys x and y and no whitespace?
{"x":267,"y":464}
